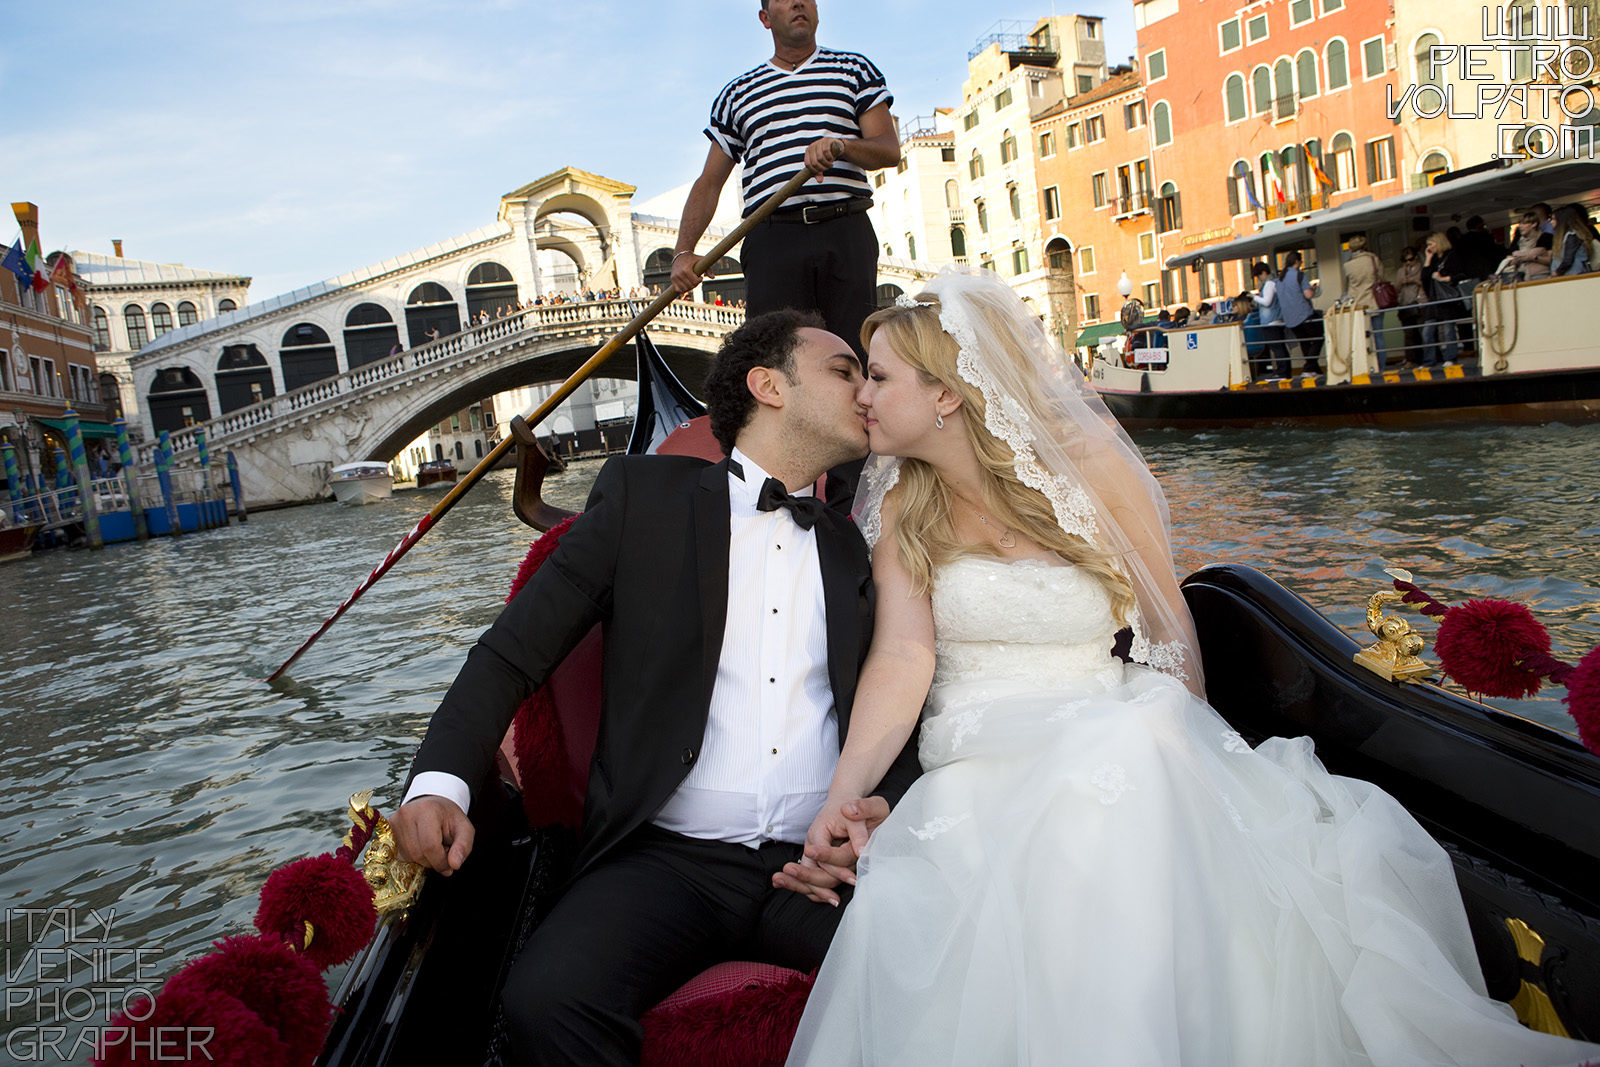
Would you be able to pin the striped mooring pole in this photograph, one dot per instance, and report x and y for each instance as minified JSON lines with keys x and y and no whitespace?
{"x":164,"y":478}
{"x":206,"y":517}
{"x":14,"y":487}
{"x":80,"y":471}
{"x":130,"y":479}
{"x":238,"y":489}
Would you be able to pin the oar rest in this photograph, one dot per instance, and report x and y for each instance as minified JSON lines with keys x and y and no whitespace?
{"x":736,"y":1012}
{"x":532,"y":465}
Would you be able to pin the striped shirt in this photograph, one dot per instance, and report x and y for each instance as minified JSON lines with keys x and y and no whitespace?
{"x":767,"y":117}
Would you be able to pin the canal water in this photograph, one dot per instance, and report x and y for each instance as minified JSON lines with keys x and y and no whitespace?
{"x":149,"y":776}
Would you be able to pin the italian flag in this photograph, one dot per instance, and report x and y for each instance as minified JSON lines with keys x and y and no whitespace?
{"x":41,"y":279}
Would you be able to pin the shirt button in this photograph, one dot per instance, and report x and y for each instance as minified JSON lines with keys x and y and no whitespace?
{"x":772,"y":680}
{"x":778,"y":547}
{"x":774,"y":611}
{"x":769,"y":828}
{"x":688,"y":755}
{"x":774,"y":752}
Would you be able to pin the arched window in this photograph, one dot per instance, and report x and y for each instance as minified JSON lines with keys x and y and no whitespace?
{"x":1169,"y":214}
{"x":133,"y":319}
{"x":306,"y":356}
{"x":952,"y":194}
{"x":1016,"y":202}
{"x":1242,"y":198}
{"x":1433,"y":164}
{"x":1233,"y":95}
{"x":975,"y":166}
{"x":461,"y":453}
{"x":430,"y":311}
{"x":1306,"y":74}
{"x":1058,"y":255}
{"x":1261,"y":89}
{"x":243,"y":378}
{"x":477,"y":443}
{"x":888,"y":294}
{"x":911,"y":247}
{"x":1426,"y":75}
{"x":102,"y":329}
{"x":177,"y":398}
{"x":1343,"y":172}
{"x":658,"y":268}
{"x":490,"y":287}
{"x":1008,"y":148}
{"x":160,"y":319}
{"x":1338,"y":64}
{"x":1161,"y":119}
{"x":187,"y":314}
{"x":1283,"y":84}
{"x":369,"y":334}
{"x":983,"y":217}
{"x":958,"y":242}
{"x":226,"y":305}
{"x":429,"y":293}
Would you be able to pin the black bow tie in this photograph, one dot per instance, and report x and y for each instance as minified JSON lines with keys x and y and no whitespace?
{"x":805,"y":509}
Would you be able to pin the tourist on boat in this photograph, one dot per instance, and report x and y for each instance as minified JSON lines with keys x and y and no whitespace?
{"x":1362,"y":271}
{"x":1412,"y":295}
{"x":1094,"y":868}
{"x":1300,"y":318}
{"x":1575,"y":236}
{"x":736,"y":611}
{"x":1530,"y":248}
{"x":1439,"y":339}
{"x":1274,"y":354}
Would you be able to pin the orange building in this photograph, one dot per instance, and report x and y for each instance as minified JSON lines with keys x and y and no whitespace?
{"x":1251,"y":108}
{"x":1099,"y":197}
{"x":46,"y":360}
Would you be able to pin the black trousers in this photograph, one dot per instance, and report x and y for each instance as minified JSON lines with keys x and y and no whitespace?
{"x":640,"y":923}
{"x":829,"y":267}
{"x":1309,"y":334}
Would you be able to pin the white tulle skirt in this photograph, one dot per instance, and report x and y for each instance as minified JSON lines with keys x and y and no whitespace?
{"x":1115,"y":878}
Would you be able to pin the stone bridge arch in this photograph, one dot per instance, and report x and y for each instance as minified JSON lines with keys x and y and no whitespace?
{"x":607,"y":204}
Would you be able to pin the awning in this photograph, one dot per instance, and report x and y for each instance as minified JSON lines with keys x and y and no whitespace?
{"x":87,"y":428}
{"x":1502,"y":189}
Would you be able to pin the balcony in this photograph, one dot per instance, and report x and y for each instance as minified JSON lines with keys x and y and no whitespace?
{"x":958,"y":214}
{"x":1127,"y":205}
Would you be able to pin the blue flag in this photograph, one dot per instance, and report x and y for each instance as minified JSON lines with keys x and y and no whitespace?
{"x":1242,"y":171}
{"x":17,"y":264}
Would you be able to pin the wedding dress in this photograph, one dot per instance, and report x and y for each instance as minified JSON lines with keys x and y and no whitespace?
{"x":1096,"y":869}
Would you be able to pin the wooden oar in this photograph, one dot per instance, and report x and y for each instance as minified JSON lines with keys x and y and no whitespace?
{"x":553,"y":401}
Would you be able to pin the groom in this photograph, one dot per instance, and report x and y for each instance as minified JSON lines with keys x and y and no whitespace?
{"x":736,"y":617}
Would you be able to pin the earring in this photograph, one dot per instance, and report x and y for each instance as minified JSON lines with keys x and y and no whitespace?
{"x":938,"y":420}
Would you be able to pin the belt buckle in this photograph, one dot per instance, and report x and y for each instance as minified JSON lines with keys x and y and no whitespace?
{"x":805,"y":213}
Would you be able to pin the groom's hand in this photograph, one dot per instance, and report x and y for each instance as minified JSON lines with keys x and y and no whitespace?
{"x":434,"y":832}
{"x":835,"y":841}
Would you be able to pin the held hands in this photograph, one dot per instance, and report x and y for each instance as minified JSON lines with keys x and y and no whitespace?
{"x":822,"y":154}
{"x":834,"y":843}
{"x":433,"y":832}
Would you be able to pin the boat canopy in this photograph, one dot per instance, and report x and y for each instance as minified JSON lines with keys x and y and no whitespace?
{"x":1500,"y":189}
{"x":365,"y":467}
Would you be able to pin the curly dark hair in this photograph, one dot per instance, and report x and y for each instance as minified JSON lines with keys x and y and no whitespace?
{"x":766,"y":340}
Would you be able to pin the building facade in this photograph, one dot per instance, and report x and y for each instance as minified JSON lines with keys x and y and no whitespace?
{"x":47,"y":363}
{"x":133,"y":302}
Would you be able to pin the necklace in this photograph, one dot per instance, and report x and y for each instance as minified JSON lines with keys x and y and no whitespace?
{"x":1006,"y":540}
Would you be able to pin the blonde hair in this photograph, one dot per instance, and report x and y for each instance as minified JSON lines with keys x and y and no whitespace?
{"x":924,"y":528}
{"x":1440,"y":241}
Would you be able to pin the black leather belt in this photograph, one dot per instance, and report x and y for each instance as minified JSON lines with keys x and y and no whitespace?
{"x":811,"y":214}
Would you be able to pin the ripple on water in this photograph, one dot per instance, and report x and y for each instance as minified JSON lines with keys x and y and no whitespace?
{"x":148,"y":768}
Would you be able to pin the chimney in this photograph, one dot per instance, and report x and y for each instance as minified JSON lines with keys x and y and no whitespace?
{"x":116,"y":247}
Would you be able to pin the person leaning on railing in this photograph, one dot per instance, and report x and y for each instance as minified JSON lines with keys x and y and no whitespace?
{"x":1575,"y":236}
{"x":1439,"y":278}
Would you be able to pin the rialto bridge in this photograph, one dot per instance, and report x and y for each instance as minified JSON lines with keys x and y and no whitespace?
{"x":358,"y":366}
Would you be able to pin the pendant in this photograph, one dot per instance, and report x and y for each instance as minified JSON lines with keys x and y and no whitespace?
{"x":1007,"y":541}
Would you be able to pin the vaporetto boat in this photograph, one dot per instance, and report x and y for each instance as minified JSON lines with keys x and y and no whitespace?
{"x":1536,"y":357}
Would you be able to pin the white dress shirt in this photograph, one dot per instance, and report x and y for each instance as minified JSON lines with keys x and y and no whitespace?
{"x":772,"y":733}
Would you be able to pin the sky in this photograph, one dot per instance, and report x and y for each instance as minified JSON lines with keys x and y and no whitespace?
{"x":295,"y":140}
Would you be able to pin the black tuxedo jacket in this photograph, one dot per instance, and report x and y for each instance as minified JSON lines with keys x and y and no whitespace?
{"x":647,"y":559}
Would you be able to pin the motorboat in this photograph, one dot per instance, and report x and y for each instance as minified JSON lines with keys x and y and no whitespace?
{"x":436,"y":474}
{"x":361,"y":483}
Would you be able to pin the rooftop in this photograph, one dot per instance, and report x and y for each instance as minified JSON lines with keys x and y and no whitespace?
{"x":115,"y":270}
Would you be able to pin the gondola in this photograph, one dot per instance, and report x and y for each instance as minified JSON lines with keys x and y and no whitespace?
{"x":1516,"y":805}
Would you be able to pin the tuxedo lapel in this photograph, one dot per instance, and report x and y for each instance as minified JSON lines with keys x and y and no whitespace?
{"x":711,"y":557}
{"x":841,"y":597}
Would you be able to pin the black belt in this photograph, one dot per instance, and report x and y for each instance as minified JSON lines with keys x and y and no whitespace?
{"x":810,"y":214}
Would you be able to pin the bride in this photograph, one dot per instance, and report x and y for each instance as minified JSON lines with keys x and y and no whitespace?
{"x":1094,"y":868}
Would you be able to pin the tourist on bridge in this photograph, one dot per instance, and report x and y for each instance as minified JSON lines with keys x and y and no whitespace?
{"x":811,"y":107}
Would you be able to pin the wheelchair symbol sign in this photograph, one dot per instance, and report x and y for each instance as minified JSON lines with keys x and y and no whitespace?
{"x":1191,"y":341}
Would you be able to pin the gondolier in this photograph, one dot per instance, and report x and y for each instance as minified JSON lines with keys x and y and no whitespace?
{"x":811,"y":107}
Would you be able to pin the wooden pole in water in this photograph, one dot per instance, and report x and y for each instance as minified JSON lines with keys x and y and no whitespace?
{"x":164,"y":479}
{"x":80,"y":471}
{"x":238,"y":490}
{"x":553,"y":401}
{"x":130,"y":479}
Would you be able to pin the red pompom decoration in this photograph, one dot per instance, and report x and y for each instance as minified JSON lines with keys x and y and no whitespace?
{"x":754,"y":1024}
{"x":1484,"y":645}
{"x":190,"y":1025}
{"x":284,"y":989}
{"x":330,"y":894}
{"x":1583,"y":700}
{"x":538,"y":552}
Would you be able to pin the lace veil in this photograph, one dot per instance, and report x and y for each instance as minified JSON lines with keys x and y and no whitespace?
{"x":1069,"y":447}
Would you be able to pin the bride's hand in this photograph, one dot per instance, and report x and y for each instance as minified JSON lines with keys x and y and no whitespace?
{"x":837,"y":837}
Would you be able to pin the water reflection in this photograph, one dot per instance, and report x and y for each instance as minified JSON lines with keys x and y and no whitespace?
{"x":150,"y":770}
